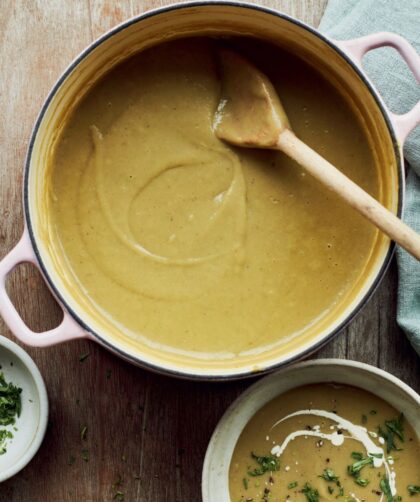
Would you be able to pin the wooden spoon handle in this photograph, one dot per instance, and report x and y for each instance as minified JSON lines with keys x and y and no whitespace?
{"x":360,"y":200}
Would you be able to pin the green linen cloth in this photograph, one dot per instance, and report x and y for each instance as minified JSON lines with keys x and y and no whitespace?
{"x":346,"y":19}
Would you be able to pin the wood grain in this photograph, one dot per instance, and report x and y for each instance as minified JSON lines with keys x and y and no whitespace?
{"x":147,"y":434}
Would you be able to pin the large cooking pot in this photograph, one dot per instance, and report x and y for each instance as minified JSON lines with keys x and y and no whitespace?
{"x":340,"y":61}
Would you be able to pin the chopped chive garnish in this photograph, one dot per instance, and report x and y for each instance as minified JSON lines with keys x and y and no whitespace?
{"x":292,"y":485}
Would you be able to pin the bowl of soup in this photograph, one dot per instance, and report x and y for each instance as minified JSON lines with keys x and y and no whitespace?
{"x":319,"y":430}
{"x":181,"y":253}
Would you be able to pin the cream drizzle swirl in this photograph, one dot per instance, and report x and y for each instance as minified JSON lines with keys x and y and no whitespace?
{"x":357,"y":432}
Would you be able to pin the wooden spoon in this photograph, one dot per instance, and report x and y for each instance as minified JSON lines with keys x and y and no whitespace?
{"x":250,"y":114}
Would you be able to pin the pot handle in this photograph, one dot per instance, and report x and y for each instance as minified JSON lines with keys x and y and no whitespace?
{"x":358,"y":47}
{"x":68,"y":329}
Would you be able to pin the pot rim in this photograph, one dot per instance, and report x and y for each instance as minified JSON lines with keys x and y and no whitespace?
{"x":246,"y":395}
{"x":102,"y":339}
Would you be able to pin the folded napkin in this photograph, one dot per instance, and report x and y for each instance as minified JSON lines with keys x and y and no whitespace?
{"x":346,"y":19}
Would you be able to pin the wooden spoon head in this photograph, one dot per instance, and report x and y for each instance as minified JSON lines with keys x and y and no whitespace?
{"x":250,"y":113}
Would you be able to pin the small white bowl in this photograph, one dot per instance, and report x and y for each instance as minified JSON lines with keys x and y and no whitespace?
{"x":215,"y":479}
{"x":20,"y":369}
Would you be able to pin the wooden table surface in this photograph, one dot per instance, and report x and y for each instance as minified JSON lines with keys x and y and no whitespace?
{"x":146,"y":434}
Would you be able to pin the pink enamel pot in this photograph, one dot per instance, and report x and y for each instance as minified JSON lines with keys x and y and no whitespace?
{"x":340,"y":61}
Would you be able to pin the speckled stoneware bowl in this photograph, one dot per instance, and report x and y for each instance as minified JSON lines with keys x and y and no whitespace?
{"x":29,"y":429}
{"x":215,"y":480}
{"x":340,"y":61}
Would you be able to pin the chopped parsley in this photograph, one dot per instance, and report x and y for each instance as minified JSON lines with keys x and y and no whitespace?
{"x":362,"y":481}
{"x":329,"y":475}
{"x":10,"y":408}
{"x":4,"y":436}
{"x":267,"y":463}
{"x":83,"y":433}
{"x":83,"y":357}
{"x":386,"y":490}
{"x":393,"y":429}
{"x":413,"y":489}
{"x":292,"y":485}
{"x":354,"y":469}
{"x":310,"y":493}
{"x":10,"y":402}
{"x":245,"y":483}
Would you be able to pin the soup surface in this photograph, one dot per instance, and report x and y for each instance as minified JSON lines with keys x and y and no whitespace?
{"x":182,"y":243}
{"x":326,"y":442}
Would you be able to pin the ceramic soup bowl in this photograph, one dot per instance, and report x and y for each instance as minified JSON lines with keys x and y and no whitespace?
{"x":215,"y":480}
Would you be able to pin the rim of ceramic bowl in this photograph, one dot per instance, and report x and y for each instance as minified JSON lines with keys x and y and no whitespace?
{"x":36,"y":442}
{"x":240,"y":402}
{"x":230,"y":374}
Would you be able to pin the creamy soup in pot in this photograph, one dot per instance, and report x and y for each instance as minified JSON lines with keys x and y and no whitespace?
{"x":326,"y":442}
{"x":183,"y":243}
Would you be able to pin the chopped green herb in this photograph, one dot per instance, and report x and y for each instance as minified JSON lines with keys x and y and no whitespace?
{"x":10,"y":408}
{"x":83,"y":357}
{"x":413,"y":489}
{"x":292,"y":485}
{"x":354,"y":469}
{"x":364,"y":419}
{"x":396,"y":426}
{"x":10,"y":402}
{"x":386,"y":490}
{"x":119,"y":496}
{"x":85,"y":455}
{"x":393,"y":429}
{"x":356,"y":455}
{"x":329,"y":475}
{"x":83,"y":433}
{"x":362,"y":481}
{"x":267,"y":463}
{"x":310,"y":493}
{"x":340,"y":492}
{"x":4,"y":436}
{"x":330,"y":489}
{"x":245,"y":483}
